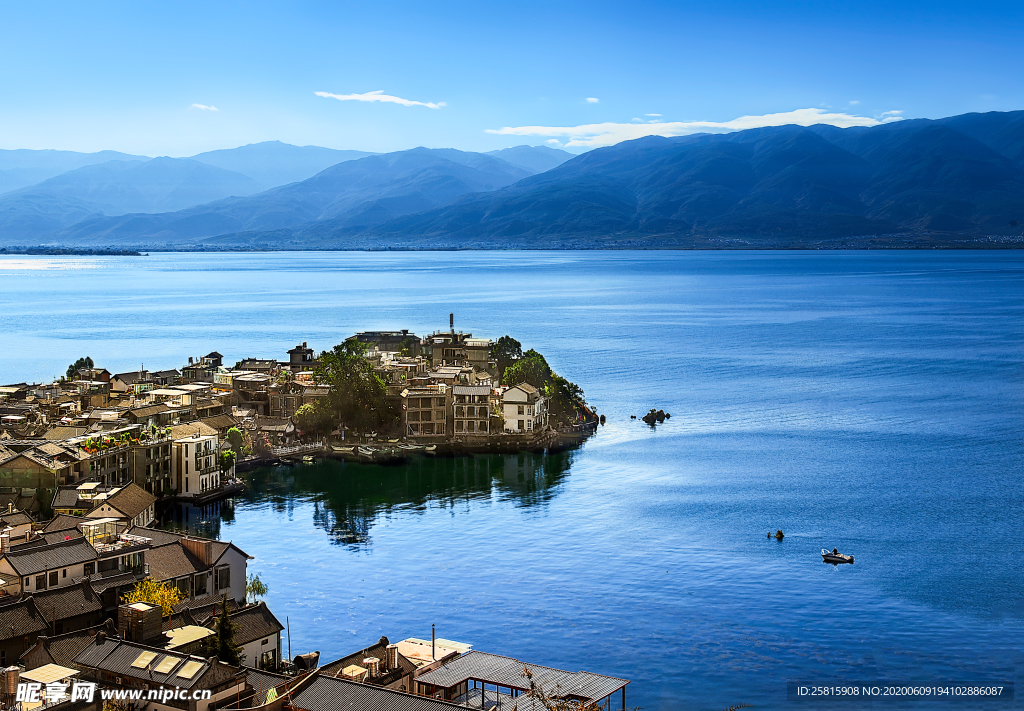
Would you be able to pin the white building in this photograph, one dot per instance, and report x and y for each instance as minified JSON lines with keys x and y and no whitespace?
{"x":524,"y":409}
{"x":194,"y":465}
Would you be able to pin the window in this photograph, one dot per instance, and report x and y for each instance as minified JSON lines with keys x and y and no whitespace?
{"x":54,"y":579}
{"x":223,"y":578}
{"x":521,"y":411}
{"x":522,"y":425}
{"x":182,"y":585}
{"x":199,"y":584}
{"x":41,"y":582}
{"x":25,"y":584}
{"x":64,"y":573}
{"x":89,"y":568}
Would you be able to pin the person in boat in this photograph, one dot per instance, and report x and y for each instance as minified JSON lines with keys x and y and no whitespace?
{"x":835,"y":551}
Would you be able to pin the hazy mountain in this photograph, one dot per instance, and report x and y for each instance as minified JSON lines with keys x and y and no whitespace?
{"x":763,"y":184}
{"x":535,"y":159}
{"x":273,"y":163}
{"x":115,"y":188}
{"x":22,"y":167}
{"x":355,"y":193}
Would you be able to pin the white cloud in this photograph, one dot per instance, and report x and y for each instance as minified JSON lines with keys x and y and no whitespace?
{"x":204,"y":107}
{"x":652,"y":115}
{"x":553,"y":142}
{"x":379,"y":95}
{"x":854,"y":102}
{"x":595,"y":135}
{"x":592,"y":100}
{"x":637,"y":120}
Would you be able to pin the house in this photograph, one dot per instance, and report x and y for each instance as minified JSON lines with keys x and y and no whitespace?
{"x":123,"y":664}
{"x":456,"y":680}
{"x":392,"y":341}
{"x":252,"y":391}
{"x":20,"y":625}
{"x":258,"y":633}
{"x":264,"y":366}
{"x":15,"y":523}
{"x":125,"y":382}
{"x":471,"y":410}
{"x":130,"y":504}
{"x":301,"y":358}
{"x":197,"y":566}
{"x":202,"y":369}
{"x":195,"y":468}
{"x":425,"y":410}
{"x":70,"y":608}
{"x":34,"y":469}
{"x":524,"y":408}
{"x":392,"y":670}
{"x":62,"y":649}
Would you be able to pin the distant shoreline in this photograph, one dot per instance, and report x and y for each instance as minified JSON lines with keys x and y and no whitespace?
{"x":70,"y":251}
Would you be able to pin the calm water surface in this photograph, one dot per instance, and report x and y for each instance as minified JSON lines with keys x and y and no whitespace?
{"x":870,"y":401}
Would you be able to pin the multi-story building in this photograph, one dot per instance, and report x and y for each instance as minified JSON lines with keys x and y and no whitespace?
{"x":471,"y":408}
{"x":194,"y":454}
{"x":524,"y":409}
{"x":425,"y":411}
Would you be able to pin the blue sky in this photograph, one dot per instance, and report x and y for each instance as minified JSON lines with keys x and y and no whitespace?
{"x":135,"y":76}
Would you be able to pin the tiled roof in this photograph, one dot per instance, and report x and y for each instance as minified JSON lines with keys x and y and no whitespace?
{"x":254,"y":622}
{"x":63,"y":648}
{"x":378,"y":650}
{"x":506,"y":671}
{"x":262,"y":681}
{"x":187,"y":430}
{"x":116,"y":656}
{"x":59,"y":433}
{"x":101,"y":582}
{"x":57,"y":555}
{"x":472,"y":390}
{"x":21,"y":619}
{"x":220,"y":422}
{"x":14,"y":518}
{"x":63,"y":522}
{"x":149,"y":411}
{"x":326,"y":693}
{"x":131,"y":500}
{"x":172,"y":561}
{"x":66,"y":602}
{"x":67,"y":498}
{"x":204,"y":607}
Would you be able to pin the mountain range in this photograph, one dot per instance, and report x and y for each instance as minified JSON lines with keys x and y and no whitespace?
{"x":958,"y":179}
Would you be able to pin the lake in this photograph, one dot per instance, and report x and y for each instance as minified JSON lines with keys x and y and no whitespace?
{"x":870,"y":401}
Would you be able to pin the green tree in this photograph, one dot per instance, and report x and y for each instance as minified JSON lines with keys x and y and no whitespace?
{"x":234,"y":438}
{"x":407,"y":347}
{"x":255,"y":588}
{"x":221,"y":643}
{"x":227,"y":460}
{"x":532,"y":368}
{"x":357,"y":396}
{"x":506,"y":351}
{"x":316,"y":417}
{"x":78,"y":365}
{"x":162,"y":594}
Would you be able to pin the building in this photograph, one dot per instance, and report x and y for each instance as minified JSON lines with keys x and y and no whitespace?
{"x":20,"y":625}
{"x":301,"y":358}
{"x":118,"y":663}
{"x":524,"y":409}
{"x":258,"y":634}
{"x":458,"y":679}
{"x":390,"y":668}
{"x":471,"y":410}
{"x":425,"y":411}
{"x":202,"y":369}
{"x":131,"y":505}
{"x":390,"y":341}
{"x":199,"y":567}
{"x":195,"y":468}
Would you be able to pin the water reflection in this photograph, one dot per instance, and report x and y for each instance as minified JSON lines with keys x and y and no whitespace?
{"x":348,"y":497}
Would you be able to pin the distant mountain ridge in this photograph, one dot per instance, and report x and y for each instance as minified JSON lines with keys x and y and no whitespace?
{"x":273,"y":163}
{"x":952,"y":181}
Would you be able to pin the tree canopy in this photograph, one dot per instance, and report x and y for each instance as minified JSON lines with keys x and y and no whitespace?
{"x":506,"y":351}
{"x":78,"y":365}
{"x":566,"y":397}
{"x":221,"y":643}
{"x":162,"y":594}
{"x":357,"y":396}
{"x":316,"y":417}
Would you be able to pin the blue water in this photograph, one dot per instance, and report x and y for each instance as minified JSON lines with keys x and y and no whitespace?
{"x":870,"y":401}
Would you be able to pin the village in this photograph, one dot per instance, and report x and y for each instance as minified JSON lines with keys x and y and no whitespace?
{"x":93,"y":596}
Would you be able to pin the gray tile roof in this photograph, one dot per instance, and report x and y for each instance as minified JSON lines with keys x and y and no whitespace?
{"x":49,"y":557}
{"x":101,"y":582}
{"x":131,"y":500}
{"x":172,"y":561}
{"x":63,"y":522}
{"x":326,"y":693}
{"x":262,"y":681}
{"x":506,"y":671}
{"x":472,"y":390}
{"x":14,"y":518}
{"x":205,"y":606}
{"x":116,"y":656}
{"x":254,"y":622}
{"x":67,"y":602}
{"x":63,"y":648}
{"x":21,"y":619}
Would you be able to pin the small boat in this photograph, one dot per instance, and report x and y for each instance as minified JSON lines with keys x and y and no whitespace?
{"x":308,"y":459}
{"x":835,"y":558}
{"x":430,"y":448}
{"x":342,"y":450}
{"x":411,"y":447}
{"x":366,"y":451}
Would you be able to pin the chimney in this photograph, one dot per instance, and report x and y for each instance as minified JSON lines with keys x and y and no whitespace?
{"x":10,"y":507}
{"x":372,"y":665}
{"x":303,"y":344}
{"x":392,"y":656}
{"x":190,"y":360}
{"x":451,"y":321}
